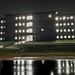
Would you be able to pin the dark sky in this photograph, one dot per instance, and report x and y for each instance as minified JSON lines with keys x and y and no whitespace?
{"x":21,"y":6}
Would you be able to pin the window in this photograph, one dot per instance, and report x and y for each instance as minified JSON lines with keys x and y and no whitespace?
{"x":61,"y":37}
{"x":23,"y":37}
{"x":72,"y":30}
{"x":29,"y":24}
{"x":19,"y":24}
{"x":4,"y":26}
{"x":56,"y":12}
{"x":1,"y":32}
{"x":60,"y":24}
{"x":0,"y":38}
{"x":30,"y":17}
{"x":29,"y":38}
{"x":57,"y":30}
{"x":67,"y":18}
{"x":16,"y":24}
{"x":68,"y":30}
{"x":1,"y":21}
{"x":50,"y":16}
{"x":71,"y":17}
{"x":57,"y":24}
{"x":69,"y":36}
{"x":23,"y":17}
{"x":61,"y":30}
{"x":16,"y":31}
{"x":68,"y":24}
{"x":16,"y":18}
{"x":56,"y":18}
{"x":60,"y":18}
{"x":57,"y":37}
{"x":65,"y":36}
{"x":42,"y":29}
{"x":16,"y":38}
{"x":64,"y":17}
{"x":23,"y":31}
{"x":64,"y":30}
{"x":19,"y":37}
{"x":19,"y":31}
{"x":1,"y":27}
{"x":73,"y":36}
{"x":64,"y":24}
{"x":19,"y":17}
{"x":23,"y":24}
{"x":30,"y":30}
{"x":72,"y":23}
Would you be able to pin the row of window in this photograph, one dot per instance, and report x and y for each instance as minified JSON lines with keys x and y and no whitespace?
{"x":2,"y":38}
{"x":64,"y":37}
{"x":2,"y":21}
{"x":23,"y":24}
{"x":64,"y":30}
{"x":64,"y":18}
{"x":2,"y":27}
{"x":2,"y":32}
{"x":30,"y":30}
{"x":30,"y":17}
{"x":64,"y":24}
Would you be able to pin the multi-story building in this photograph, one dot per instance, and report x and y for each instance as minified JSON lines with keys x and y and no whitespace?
{"x":42,"y":26}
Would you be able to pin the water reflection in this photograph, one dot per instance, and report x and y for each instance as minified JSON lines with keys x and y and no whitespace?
{"x":37,"y":67}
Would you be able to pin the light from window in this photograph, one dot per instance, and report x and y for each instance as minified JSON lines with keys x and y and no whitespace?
{"x":50,"y":16}
{"x":23,"y":17}
{"x":0,"y":38}
{"x":71,"y":17}
{"x":57,"y":24}
{"x":68,"y":30}
{"x":69,"y":36}
{"x":57,"y":30}
{"x":29,"y":24}
{"x":1,"y":21}
{"x":23,"y":37}
{"x":16,"y":24}
{"x":73,"y":36}
{"x":4,"y":26}
{"x":61,"y":30}
{"x":65,"y":36}
{"x":64,"y":17}
{"x":57,"y":37}
{"x":19,"y":31}
{"x":56,"y":12}
{"x":72,"y":30}
{"x":60,"y":18}
{"x":61,"y":37}
{"x":60,"y":24}
{"x":23,"y":24}
{"x":19,"y":37}
{"x":19,"y":24}
{"x":19,"y":17}
{"x":16,"y":18}
{"x":1,"y":27}
{"x":67,"y":18}
{"x":16,"y":38}
{"x":23,"y":31}
{"x":30,"y":17}
{"x":72,"y":23}
{"x":30,"y":30}
{"x":56,"y":18}
{"x":64,"y":24}
{"x":29,"y":38}
{"x":16,"y":31}
{"x":1,"y":32}
{"x":64,"y":30}
{"x":68,"y":24}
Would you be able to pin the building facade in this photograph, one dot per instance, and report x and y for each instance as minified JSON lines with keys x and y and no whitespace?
{"x":42,"y":26}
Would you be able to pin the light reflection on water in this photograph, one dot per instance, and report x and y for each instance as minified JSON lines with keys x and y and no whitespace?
{"x":37,"y":67}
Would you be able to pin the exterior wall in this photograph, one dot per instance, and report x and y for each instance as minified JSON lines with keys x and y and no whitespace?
{"x":65,"y":26}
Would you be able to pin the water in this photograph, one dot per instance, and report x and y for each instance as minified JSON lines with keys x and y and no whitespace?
{"x":37,"y":67}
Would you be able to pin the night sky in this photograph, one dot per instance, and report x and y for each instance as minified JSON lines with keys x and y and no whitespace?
{"x":23,"y":6}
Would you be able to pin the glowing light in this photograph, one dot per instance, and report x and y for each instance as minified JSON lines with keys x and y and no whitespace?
{"x":16,"y":18}
{"x":68,"y":24}
{"x":71,"y":17}
{"x":23,"y":31}
{"x":56,"y":12}
{"x":61,"y":37}
{"x":16,"y":24}
{"x":68,"y":30}
{"x":29,"y":62}
{"x":1,"y":21}
{"x":60,"y":18}
{"x":42,"y":29}
{"x":57,"y":30}
{"x":50,"y":16}
{"x":64,"y":24}
{"x":23,"y":37}
{"x":19,"y":24}
{"x":23,"y":17}
{"x":64,"y":30}
{"x":56,"y":18}
{"x":29,"y":38}
{"x":57,"y":37}
{"x":72,"y":30}
{"x":16,"y":31}
{"x":61,"y":30}
{"x":29,"y":24}
{"x":15,"y":38}
{"x":23,"y":24}
{"x":69,"y":36}
{"x":19,"y":31}
{"x":65,"y":36}
{"x":60,"y":24}
{"x":30,"y":17}
{"x":73,"y":36}
{"x":67,"y":18}
{"x":1,"y":27}
{"x":72,"y":23}
{"x":64,"y":17}
{"x":19,"y":17}
{"x":57,"y":24}
{"x":30,"y":30}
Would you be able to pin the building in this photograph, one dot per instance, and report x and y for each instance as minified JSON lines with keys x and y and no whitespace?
{"x":42,"y":26}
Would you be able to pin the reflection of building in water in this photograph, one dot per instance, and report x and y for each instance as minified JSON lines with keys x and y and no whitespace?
{"x":66,"y":66}
{"x":22,"y":67}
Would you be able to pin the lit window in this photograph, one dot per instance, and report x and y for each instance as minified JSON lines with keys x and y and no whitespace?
{"x":19,"y":31}
{"x":23,"y":24}
{"x":64,"y":30}
{"x":16,"y":31}
{"x":15,"y":38}
{"x":56,"y":18}
{"x":60,"y":24}
{"x":69,"y":36}
{"x":56,"y":12}
{"x":4,"y":26}
{"x":57,"y":24}
{"x":30,"y":17}
{"x":65,"y":36}
{"x":57,"y":37}
{"x":0,"y":38}
{"x":23,"y":37}
{"x":1,"y":32}
{"x":67,"y":18}
{"x":23,"y":31}
{"x":50,"y":16}
{"x":1,"y":27}
{"x":68,"y":24}
{"x":16,"y":18}
{"x":61,"y":30}
{"x":23,"y":17}
{"x":71,"y":17}
{"x":68,"y":30}
{"x":57,"y":30}
{"x":72,"y":23}
{"x":19,"y":37}
{"x":73,"y":36}
{"x":64,"y":17}
{"x":19,"y":24}
{"x":16,"y":24}
{"x":61,"y":37}
{"x":30,"y":30}
{"x":64,"y":24}
{"x":29,"y":38}
{"x":2,"y":21}
{"x":29,"y":24}
{"x":42,"y":29}
{"x":19,"y":18}
{"x":60,"y":18}
{"x":72,"y":30}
